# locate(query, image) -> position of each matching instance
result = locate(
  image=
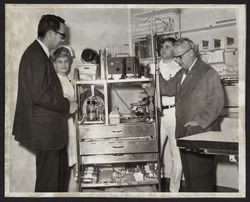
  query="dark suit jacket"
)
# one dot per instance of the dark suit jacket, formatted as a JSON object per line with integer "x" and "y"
{"x": 39, "y": 121}
{"x": 199, "y": 98}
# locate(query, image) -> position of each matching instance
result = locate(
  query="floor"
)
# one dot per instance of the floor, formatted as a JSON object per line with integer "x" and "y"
{"x": 165, "y": 187}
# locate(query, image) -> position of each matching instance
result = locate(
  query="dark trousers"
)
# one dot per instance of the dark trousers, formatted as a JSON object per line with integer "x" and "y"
{"x": 52, "y": 171}
{"x": 198, "y": 171}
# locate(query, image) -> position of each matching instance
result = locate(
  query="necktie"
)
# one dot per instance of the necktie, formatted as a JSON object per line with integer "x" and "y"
{"x": 185, "y": 71}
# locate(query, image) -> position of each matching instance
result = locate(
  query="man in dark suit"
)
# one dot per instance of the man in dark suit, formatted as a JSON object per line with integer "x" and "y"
{"x": 39, "y": 122}
{"x": 199, "y": 100}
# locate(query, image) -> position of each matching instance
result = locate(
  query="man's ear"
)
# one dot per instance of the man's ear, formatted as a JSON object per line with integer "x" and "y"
{"x": 49, "y": 34}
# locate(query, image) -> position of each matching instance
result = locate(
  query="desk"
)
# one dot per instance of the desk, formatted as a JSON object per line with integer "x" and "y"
{"x": 216, "y": 143}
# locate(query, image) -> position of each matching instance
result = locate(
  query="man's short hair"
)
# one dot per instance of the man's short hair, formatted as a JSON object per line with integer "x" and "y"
{"x": 169, "y": 39}
{"x": 49, "y": 22}
{"x": 186, "y": 42}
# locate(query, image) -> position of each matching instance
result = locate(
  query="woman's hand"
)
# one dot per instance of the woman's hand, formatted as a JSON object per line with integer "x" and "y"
{"x": 71, "y": 99}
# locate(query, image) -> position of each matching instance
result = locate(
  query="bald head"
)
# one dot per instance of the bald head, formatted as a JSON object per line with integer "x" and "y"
{"x": 185, "y": 43}
{"x": 184, "y": 52}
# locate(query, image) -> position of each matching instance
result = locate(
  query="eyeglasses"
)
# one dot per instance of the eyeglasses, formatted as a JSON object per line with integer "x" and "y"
{"x": 62, "y": 34}
{"x": 180, "y": 56}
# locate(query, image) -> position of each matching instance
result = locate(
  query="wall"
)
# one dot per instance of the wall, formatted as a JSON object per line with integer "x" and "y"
{"x": 197, "y": 18}
{"x": 95, "y": 28}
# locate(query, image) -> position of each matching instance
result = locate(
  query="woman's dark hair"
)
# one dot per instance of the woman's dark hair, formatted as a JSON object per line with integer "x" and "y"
{"x": 169, "y": 39}
{"x": 49, "y": 22}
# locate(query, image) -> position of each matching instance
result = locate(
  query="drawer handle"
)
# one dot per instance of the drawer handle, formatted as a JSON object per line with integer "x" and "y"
{"x": 116, "y": 131}
{"x": 118, "y": 147}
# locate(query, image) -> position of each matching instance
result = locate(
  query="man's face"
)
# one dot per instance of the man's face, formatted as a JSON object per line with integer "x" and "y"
{"x": 58, "y": 36}
{"x": 183, "y": 56}
{"x": 167, "y": 50}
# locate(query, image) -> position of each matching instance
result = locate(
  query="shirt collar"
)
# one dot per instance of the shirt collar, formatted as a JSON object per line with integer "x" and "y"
{"x": 192, "y": 64}
{"x": 59, "y": 75}
{"x": 45, "y": 48}
{"x": 168, "y": 61}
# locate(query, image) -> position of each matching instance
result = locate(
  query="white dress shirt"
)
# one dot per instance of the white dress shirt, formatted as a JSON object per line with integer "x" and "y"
{"x": 184, "y": 75}
{"x": 45, "y": 48}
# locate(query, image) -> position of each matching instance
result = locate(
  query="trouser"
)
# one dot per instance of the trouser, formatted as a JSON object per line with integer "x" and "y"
{"x": 198, "y": 170}
{"x": 168, "y": 131}
{"x": 52, "y": 171}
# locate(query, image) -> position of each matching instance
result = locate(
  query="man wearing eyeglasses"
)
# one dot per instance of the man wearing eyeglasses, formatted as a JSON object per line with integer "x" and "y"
{"x": 199, "y": 100}
{"x": 39, "y": 122}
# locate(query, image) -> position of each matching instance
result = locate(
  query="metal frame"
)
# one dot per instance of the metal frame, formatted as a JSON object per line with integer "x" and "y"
{"x": 105, "y": 83}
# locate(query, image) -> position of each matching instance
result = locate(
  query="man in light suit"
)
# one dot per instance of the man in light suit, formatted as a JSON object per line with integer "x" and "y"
{"x": 199, "y": 100}
{"x": 39, "y": 122}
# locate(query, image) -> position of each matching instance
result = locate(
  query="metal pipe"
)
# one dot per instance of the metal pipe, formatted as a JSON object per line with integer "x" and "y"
{"x": 179, "y": 16}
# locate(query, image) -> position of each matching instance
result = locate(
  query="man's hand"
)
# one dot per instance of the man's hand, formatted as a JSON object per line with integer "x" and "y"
{"x": 73, "y": 107}
{"x": 146, "y": 85}
{"x": 149, "y": 89}
{"x": 191, "y": 123}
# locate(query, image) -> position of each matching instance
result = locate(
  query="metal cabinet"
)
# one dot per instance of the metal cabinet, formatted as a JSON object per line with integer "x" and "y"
{"x": 114, "y": 154}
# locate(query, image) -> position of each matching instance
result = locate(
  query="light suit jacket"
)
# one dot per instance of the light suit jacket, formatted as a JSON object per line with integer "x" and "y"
{"x": 199, "y": 98}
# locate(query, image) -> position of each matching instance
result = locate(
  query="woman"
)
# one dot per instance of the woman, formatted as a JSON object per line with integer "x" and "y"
{"x": 62, "y": 61}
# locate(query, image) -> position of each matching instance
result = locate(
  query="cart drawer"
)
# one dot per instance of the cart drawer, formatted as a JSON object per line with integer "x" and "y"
{"x": 118, "y": 146}
{"x": 120, "y": 130}
{"x": 119, "y": 158}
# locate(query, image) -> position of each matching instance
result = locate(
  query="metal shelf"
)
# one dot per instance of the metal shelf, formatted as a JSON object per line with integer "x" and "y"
{"x": 198, "y": 29}
{"x": 113, "y": 144}
{"x": 91, "y": 82}
{"x": 117, "y": 159}
{"x": 127, "y": 80}
{"x": 157, "y": 12}
{"x": 208, "y": 28}
{"x": 115, "y": 184}
{"x": 141, "y": 36}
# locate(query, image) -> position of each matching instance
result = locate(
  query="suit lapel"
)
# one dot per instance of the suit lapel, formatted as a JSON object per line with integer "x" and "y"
{"x": 187, "y": 80}
{"x": 179, "y": 85}
{"x": 190, "y": 81}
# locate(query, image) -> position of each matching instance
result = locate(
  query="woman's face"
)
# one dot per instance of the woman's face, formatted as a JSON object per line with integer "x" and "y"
{"x": 62, "y": 65}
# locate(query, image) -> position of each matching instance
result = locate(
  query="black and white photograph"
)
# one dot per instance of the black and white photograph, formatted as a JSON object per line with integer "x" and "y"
{"x": 125, "y": 100}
